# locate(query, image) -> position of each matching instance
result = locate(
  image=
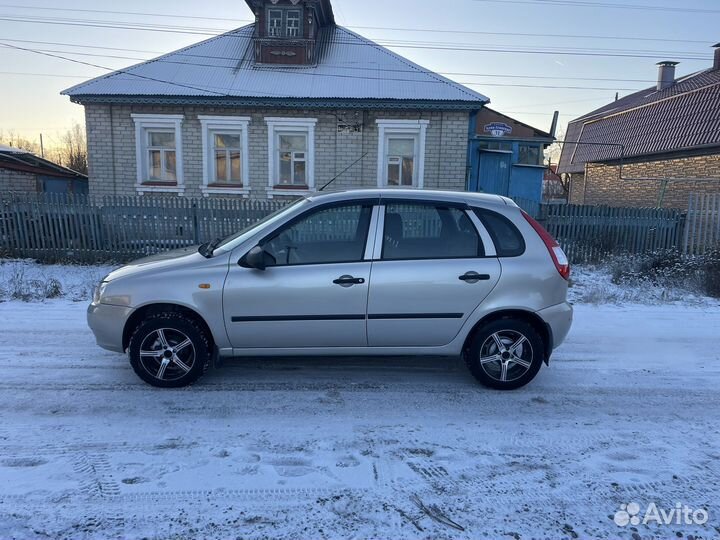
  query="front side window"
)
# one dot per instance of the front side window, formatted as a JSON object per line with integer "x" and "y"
{"x": 292, "y": 159}
{"x": 429, "y": 231}
{"x": 162, "y": 161}
{"x": 326, "y": 236}
{"x": 529, "y": 154}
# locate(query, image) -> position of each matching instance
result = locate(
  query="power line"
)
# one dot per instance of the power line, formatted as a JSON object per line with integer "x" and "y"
{"x": 106, "y": 68}
{"x": 383, "y": 28}
{"x": 588, "y": 4}
{"x": 591, "y": 52}
{"x": 342, "y": 66}
{"x": 338, "y": 75}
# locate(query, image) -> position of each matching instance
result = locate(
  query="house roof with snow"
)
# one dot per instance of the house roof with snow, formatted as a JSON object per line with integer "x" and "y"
{"x": 683, "y": 117}
{"x": 350, "y": 71}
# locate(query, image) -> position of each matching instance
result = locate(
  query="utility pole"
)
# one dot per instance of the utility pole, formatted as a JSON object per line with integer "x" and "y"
{"x": 42, "y": 147}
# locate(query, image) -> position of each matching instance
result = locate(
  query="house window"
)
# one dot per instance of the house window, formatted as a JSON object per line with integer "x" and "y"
{"x": 401, "y": 152}
{"x": 162, "y": 157}
{"x": 293, "y": 23}
{"x": 292, "y": 159}
{"x": 291, "y": 154}
{"x": 529, "y": 154}
{"x": 225, "y": 154}
{"x": 284, "y": 23}
{"x": 275, "y": 22}
{"x": 158, "y": 140}
{"x": 496, "y": 145}
{"x": 401, "y": 161}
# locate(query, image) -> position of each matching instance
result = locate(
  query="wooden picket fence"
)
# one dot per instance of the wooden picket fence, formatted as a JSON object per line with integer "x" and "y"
{"x": 702, "y": 231}
{"x": 85, "y": 229}
{"x": 592, "y": 233}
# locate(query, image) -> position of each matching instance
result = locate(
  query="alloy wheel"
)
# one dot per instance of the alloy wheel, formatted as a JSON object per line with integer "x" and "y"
{"x": 167, "y": 354}
{"x": 506, "y": 355}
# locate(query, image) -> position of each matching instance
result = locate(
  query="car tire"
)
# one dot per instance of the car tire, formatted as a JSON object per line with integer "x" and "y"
{"x": 169, "y": 350}
{"x": 505, "y": 354}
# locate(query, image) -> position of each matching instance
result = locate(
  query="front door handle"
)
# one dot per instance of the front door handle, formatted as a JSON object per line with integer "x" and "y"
{"x": 348, "y": 281}
{"x": 474, "y": 277}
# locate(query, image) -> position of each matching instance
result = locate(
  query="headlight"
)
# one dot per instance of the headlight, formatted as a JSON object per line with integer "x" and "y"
{"x": 98, "y": 292}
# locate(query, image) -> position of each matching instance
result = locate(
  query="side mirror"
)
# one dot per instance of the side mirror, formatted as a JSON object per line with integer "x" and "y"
{"x": 257, "y": 258}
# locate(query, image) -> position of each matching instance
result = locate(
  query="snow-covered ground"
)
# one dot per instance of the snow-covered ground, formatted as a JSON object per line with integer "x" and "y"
{"x": 358, "y": 448}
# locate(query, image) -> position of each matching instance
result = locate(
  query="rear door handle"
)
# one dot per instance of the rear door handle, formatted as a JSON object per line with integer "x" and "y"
{"x": 348, "y": 281}
{"x": 474, "y": 277}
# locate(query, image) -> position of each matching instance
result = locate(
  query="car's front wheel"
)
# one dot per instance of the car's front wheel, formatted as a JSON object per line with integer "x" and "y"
{"x": 169, "y": 350}
{"x": 505, "y": 354}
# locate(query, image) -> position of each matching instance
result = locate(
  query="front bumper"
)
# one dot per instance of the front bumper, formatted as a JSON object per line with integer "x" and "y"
{"x": 107, "y": 323}
{"x": 559, "y": 318}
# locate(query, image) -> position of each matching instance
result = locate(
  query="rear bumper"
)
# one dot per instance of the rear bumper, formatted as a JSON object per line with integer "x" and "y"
{"x": 559, "y": 318}
{"x": 107, "y": 323}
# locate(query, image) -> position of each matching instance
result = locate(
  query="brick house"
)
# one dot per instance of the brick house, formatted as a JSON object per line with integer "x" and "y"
{"x": 24, "y": 172}
{"x": 276, "y": 108}
{"x": 651, "y": 148}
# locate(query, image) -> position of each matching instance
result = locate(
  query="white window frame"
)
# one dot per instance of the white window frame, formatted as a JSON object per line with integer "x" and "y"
{"x": 233, "y": 125}
{"x": 276, "y": 126}
{"x": 280, "y": 29}
{"x": 299, "y": 26}
{"x": 388, "y": 129}
{"x": 145, "y": 123}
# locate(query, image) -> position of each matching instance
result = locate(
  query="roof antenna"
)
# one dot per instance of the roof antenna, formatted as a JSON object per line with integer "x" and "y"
{"x": 346, "y": 169}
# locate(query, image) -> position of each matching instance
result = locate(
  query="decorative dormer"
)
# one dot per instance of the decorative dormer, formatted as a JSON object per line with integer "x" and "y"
{"x": 286, "y": 31}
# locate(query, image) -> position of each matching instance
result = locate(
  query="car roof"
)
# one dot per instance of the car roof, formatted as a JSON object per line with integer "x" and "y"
{"x": 416, "y": 194}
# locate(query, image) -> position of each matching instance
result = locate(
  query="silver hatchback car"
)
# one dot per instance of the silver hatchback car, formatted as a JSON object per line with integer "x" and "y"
{"x": 377, "y": 272}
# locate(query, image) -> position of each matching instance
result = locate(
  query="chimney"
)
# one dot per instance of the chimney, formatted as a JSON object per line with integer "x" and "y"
{"x": 716, "y": 63}
{"x": 666, "y": 74}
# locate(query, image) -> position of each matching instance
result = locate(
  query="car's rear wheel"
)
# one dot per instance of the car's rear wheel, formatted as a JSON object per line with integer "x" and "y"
{"x": 505, "y": 354}
{"x": 169, "y": 350}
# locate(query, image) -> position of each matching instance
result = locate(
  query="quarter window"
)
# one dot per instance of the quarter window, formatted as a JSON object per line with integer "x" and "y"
{"x": 508, "y": 240}
{"x": 426, "y": 231}
{"x": 326, "y": 236}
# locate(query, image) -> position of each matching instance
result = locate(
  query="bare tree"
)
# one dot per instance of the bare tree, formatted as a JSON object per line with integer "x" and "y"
{"x": 552, "y": 154}
{"x": 16, "y": 141}
{"x": 71, "y": 149}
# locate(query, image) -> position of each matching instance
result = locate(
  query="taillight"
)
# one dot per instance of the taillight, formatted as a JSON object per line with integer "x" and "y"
{"x": 556, "y": 253}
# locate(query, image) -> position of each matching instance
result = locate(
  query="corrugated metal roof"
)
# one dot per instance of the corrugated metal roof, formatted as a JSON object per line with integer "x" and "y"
{"x": 682, "y": 117}
{"x": 349, "y": 67}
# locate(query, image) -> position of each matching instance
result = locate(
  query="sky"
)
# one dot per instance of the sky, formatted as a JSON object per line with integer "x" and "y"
{"x": 526, "y": 53}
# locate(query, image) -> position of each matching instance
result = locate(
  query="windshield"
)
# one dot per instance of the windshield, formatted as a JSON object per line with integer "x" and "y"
{"x": 238, "y": 238}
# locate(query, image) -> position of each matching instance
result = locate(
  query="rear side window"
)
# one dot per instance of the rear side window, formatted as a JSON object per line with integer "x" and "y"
{"x": 508, "y": 240}
{"x": 429, "y": 231}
